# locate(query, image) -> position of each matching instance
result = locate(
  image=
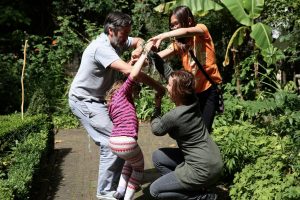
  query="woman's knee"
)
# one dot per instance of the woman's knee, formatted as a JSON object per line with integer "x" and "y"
{"x": 156, "y": 157}
{"x": 154, "y": 191}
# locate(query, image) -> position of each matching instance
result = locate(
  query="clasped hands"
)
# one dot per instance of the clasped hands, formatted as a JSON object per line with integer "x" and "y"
{"x": 151, "y": 44}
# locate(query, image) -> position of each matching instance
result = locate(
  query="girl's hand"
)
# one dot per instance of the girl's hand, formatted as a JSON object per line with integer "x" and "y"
{"x": 148, "y": 46}
{"x": 156, "y": 40}
{"x": 135, "y": 55}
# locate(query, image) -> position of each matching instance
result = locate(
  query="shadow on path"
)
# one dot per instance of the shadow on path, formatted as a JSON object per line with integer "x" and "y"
{"x": 57, "y": 173}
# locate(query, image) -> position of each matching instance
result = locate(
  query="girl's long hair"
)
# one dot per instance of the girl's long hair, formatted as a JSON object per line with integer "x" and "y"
{"x": 186, "y": 19}
{"x": 111, "y": 91}
{"x": 109, "y": 94}
{"x": 184, "y": 15}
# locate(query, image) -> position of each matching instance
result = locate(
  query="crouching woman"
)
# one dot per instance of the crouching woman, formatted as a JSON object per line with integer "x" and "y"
{"x": 186, "y": 171}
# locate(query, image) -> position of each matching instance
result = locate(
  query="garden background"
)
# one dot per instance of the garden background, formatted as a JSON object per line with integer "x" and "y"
{"x": 257, "y": 48}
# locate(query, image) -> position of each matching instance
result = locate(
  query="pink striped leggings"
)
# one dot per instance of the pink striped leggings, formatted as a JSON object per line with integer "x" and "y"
{"x": 128, "y": 149}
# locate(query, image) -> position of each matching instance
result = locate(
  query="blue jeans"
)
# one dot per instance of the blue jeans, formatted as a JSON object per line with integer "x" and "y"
{"x": 96, "y": 121}
{"x": 167, "y": 186}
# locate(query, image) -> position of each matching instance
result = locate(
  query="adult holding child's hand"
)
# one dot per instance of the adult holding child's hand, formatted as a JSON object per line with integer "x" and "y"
{"x": 186, "y": 35}
{"x": 100, "y": 66}
{"x": 187, "y": 171}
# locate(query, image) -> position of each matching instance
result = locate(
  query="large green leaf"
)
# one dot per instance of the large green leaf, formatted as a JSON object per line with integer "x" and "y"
{"x": 254, "y": 7}
{"x": 236, "y": 39}
{"x": 198, "y": 7}
{"x": 236, "y": 8}
{"x": 272, "y": 55}
{"x": 165, "y": 7}
{"x": 261, "y": 33}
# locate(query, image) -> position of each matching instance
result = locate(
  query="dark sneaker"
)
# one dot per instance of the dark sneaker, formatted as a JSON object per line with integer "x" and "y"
{"x": 108, "y": 196}
{"x": 117, "y": 195}
{"x": 209, "y": 196}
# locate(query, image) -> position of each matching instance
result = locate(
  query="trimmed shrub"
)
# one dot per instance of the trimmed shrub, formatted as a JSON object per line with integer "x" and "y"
{"x": 21, "y": 157}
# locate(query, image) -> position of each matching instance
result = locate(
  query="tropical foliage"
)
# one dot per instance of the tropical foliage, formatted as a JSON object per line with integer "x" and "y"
{"x": 257, "y": 41}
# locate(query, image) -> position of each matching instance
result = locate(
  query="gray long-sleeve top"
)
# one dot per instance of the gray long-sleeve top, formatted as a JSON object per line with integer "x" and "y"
{"x": 203, "y": 162}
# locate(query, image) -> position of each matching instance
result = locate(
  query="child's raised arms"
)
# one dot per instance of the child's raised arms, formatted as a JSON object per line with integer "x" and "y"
{"x": 139, "y": 63}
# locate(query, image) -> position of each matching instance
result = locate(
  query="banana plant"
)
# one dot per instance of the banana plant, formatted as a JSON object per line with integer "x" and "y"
{"x": 198, "y": 7}
{"x": 245, "y": 12}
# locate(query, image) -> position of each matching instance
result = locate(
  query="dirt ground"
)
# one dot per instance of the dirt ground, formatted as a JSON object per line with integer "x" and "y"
{"x": 74, "y": 166}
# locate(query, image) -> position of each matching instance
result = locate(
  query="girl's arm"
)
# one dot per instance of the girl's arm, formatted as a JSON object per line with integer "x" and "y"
{"x": 135, "y": 71}
{"x": 137, "y": 75}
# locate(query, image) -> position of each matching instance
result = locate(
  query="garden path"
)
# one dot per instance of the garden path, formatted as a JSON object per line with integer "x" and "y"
{"x": 75, "y": 165}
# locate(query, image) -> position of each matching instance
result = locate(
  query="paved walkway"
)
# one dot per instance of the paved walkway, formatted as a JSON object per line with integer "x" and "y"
{"x": 75, "y": 170}
{"x": 76, "y": 164}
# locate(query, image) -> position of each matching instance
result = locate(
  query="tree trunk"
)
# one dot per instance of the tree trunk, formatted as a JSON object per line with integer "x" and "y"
{"x": 257, "y": 83}
{"x": 237, "y": 73}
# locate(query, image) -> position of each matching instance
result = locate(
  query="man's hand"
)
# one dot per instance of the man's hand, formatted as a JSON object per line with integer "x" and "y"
{"x": 135, "y": 54}
{"x": 132, "y": 61}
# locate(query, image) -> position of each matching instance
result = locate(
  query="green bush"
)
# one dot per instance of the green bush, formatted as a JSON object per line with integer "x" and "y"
{"x": 259, "y": 112}
{"x": 21, "y": 159}
{"x": 260, "y": 145}
{"x": 145, "y": 104}
{"x": 38, "y": 103}
{"x": 239, "y": 145}
{"x": 65, "y": 121}
{"x": 271, "y": 176}
{"x": 13, "y": 129}
{"x": 10, "y": 87}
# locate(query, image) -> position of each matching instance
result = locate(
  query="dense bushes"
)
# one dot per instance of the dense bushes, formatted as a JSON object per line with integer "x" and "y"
{"x": 24, "y": 144}
{"x": 254, "y": 136}
{"x": 260, "y": 145}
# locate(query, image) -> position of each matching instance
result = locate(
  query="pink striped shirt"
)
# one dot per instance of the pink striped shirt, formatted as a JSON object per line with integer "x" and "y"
{"x": 122, "y": 111}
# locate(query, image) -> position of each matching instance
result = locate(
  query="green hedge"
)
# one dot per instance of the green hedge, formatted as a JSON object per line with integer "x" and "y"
{"x": 260, "y": 145}
{"x": 30, "y": 141}
{"x": 13, "y": 129}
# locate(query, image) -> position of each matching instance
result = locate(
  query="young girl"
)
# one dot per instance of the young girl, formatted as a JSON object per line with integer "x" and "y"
{"x": 196, "y": 37}
{"x": 123, "y": 140}
{"x": 186, "y": 171}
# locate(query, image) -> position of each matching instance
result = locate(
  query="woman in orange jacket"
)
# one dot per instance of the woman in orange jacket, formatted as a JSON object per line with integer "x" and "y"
{"x": 188, "y": 35}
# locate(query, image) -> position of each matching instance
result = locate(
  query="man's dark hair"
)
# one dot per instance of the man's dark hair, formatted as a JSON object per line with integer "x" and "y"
{"x": 116, "y": 20}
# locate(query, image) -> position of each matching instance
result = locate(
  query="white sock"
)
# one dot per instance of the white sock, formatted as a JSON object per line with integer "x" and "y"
{"x": 121, "y": 190}
{"x": 129, "y": 194}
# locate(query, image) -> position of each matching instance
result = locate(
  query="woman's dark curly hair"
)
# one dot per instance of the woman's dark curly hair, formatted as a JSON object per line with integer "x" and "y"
{"x": 183, "y": 87}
